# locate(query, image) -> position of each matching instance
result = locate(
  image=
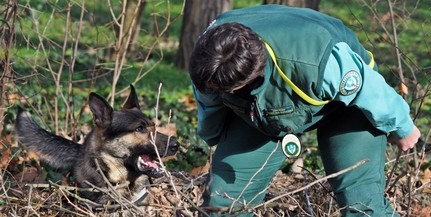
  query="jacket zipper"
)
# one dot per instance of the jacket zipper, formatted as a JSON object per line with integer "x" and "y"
{"x": 252, "y": 105}
{"x": 255, "y": 115}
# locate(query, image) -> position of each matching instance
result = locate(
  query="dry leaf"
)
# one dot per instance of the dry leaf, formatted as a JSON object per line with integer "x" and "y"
{"x": 403, "y": 89}
{"x": 189, "y": 102}
{"x": 5, "y": 158}
{"x": 168, "y": 129}
{"x": 30, "y": 175}
{"x": 426, "y": 178}
{"x": 422, "y": 211}
{"x": 298, "y": 165}
{"x": 200, "y": 170}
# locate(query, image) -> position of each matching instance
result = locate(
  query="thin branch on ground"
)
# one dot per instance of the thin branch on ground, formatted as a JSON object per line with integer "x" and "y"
{"x": 313, "y": 183}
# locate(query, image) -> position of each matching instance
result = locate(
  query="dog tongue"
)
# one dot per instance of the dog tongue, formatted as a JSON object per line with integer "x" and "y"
{"x": 149, "y": 161}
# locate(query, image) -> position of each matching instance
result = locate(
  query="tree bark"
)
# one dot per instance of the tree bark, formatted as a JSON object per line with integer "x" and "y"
{"x": 197, "y": 15}
{"x": 130, "y": 26}
{"x": 7, "y": 38}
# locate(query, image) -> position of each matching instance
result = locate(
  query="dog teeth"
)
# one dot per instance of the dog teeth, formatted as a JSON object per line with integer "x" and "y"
{"x": 141, "y": 161}
{"x": 144, "y": 165}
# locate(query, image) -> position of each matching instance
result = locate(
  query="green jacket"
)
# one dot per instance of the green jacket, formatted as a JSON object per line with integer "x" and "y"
{"x": 303, "y": 41}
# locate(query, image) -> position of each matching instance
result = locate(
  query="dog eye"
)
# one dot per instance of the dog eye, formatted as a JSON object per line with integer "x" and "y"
{"x": 140, "y": 129}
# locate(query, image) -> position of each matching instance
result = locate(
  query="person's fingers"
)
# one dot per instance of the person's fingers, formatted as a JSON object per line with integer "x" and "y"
{"x": 408, "y": 142}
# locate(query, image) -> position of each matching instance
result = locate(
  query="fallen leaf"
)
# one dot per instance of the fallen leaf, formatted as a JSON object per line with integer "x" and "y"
{"x": 6, "y": 154}
{"x": 426, "y": 178}
{"x": 189, "y": 102}
{"x": 30, "y": 175}
{"x": 168, "y": 129}
{"x": 200, "y": 170}
{"x": 5, "y": 158}
{"x": 298, "y": 165}
{"x": 422, "y": 211}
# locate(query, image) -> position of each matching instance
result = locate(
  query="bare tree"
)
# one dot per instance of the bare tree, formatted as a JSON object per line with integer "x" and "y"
{"x": 7, "y": 35}
{"x": 127, "y": 31}
{"x": 197, "y": 15}
{"x": 130, "y": 25}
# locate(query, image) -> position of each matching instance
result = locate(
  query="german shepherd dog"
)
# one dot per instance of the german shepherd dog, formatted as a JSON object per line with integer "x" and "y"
{"x": 123, "y": 148}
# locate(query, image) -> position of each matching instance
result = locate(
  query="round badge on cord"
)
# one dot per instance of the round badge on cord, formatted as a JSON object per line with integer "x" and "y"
{"x": 291, "y": 146}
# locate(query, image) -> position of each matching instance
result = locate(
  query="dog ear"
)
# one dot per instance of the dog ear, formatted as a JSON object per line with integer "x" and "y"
{"x": 132, "y": 101}
{"x": 101, "y": 109}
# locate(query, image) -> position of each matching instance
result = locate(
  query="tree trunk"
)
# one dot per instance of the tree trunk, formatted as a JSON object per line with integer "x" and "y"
{"x": 197, "y": 15}
{"x": 126, "y": 36}
{"x": 130, "y": 25}
{"x": 313, "y": 4}
{"x": 7, "y": 38}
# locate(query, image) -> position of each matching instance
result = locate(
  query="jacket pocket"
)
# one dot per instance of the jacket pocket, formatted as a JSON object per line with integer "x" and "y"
{"x": 286, "y": 119}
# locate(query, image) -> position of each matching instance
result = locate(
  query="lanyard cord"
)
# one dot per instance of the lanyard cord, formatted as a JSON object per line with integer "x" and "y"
{"x": 372, "y": 63}
{"x": 296, "y": 89}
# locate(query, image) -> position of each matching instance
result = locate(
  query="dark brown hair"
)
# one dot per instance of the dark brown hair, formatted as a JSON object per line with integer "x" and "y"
{"x": 226, "y": 57}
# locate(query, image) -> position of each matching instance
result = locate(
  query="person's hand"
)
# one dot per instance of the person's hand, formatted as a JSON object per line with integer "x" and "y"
{"x": 408, "y": 142}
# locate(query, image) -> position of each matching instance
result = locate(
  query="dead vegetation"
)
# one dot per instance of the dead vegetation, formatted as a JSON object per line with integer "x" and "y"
{"x": 299, "y": 193}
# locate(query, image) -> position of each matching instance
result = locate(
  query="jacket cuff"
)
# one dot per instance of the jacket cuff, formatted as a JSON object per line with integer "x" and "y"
{"x": 404, "y": 130}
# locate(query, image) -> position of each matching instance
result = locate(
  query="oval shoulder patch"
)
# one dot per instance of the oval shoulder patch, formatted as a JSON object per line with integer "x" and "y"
{"x": 350, "y": 83}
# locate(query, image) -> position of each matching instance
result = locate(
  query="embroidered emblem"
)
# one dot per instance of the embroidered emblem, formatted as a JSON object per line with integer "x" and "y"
{"x": 350, "y": 83}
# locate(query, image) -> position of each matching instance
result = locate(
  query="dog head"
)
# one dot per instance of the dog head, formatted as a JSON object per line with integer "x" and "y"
{"x": 128, "y": 138}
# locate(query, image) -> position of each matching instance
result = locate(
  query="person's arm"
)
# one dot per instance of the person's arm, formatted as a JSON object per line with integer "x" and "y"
{"x": 380, "y": 103}
{"x": 211, "y": 116}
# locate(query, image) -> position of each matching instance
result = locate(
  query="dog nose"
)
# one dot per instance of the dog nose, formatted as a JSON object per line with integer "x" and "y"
{"x": 173, "y": 145}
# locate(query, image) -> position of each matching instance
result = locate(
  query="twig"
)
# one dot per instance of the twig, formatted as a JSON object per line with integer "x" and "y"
{"x": 324, "y": 187}
{"x": 409, "y": 195}
{"x": 388, "y": 179}
{"x": 106, "y": 180}
{"x": 7, "y": 40}
{"x": 403, "y": 173}
{"x": 117, "y": 197}
{"x": 155, "y": 146}
{"x": 29, "y": 201}
{"x": 76, "y": 207}
{"x": 307, "y": 200}
{"x": 156, "y": 42}
{"x": 419, "y": 188}
{"x": 67, "y": 190}
{"x": 397, "y": 51}
{"x": 330, "y": 206}
{"x": 254, "y": 175}
{"x": 268, "y": 202}
{"x": 196, "y": 207}
{"x": 313, "y": 183}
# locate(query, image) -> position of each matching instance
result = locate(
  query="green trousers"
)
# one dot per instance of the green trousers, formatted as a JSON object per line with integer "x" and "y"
{"x": 245, "y": 161}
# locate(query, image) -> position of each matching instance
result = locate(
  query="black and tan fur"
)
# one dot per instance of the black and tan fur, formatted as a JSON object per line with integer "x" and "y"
{"x": 122, "y": 144}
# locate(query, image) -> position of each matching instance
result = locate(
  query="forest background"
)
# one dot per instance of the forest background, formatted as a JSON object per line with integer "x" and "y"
{"x": 54, "y": 53}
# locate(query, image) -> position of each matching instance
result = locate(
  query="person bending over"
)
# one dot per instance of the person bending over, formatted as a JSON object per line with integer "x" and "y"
{"x": 268, "y": 72}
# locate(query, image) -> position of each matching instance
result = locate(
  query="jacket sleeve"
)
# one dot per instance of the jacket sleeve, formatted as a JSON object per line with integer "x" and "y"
{"x": 211, "y": 116}
{"x": 380, "y": 103}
